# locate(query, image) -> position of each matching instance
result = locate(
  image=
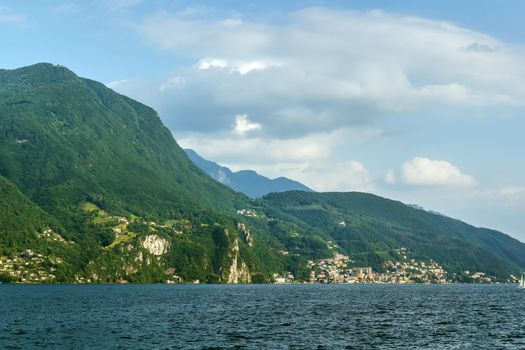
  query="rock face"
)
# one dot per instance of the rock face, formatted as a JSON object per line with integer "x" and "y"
{"x": 156, "y": 245}
{"x": 246, "y": 234}
{"x": 244, "y": 274}
{"x": 238, "y": 271}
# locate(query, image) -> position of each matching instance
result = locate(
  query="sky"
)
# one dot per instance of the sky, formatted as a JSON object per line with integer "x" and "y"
{"x": 418, "y": 101}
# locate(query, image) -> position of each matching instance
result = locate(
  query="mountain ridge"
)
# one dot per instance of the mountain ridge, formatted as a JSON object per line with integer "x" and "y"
{"x": 397, "y": 219}
{"x": 248, "y": 182}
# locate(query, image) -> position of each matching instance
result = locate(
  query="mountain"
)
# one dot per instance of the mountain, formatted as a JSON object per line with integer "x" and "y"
{"x": 66, "y": 139}
{"x": 93, "y": 188}
{"x": 245, "y": 181}
{"x": 362, "y": 222}
{"x": 106, "y": 168}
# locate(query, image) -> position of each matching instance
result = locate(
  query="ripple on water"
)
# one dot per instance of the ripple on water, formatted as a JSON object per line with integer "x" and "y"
{"x": 254, "y": 317}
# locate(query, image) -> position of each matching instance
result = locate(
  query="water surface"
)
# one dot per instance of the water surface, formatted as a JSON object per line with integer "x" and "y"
{"x": 261, "y": 316}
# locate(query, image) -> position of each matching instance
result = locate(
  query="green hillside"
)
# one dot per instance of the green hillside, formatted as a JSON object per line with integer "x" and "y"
{"x": 371, "y": 228}
{"x": 20, "y": 219}
{"x": 64, "y": 139}
{"x": 30, "y": 240}
{"x": 93, "y": 188}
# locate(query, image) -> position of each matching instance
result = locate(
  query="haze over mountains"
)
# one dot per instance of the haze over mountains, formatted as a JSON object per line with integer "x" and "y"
{"x": 93, "y": 188}
{"x": 245, "y": 181}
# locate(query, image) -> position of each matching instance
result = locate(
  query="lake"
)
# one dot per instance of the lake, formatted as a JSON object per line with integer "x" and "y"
{"x": 262, "y": 316}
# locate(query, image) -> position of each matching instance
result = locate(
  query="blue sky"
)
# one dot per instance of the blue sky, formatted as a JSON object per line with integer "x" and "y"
{"x": 414, "y": 100}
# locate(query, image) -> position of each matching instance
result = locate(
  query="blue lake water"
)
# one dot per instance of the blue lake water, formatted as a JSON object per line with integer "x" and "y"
{"x": 261, "y": 316}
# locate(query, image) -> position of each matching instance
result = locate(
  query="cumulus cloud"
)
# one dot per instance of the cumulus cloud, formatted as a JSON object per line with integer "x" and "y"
{"x": 244, "y": 125}
{"x": 321, "y": 69}
{"x": 342, "y": 176}
{"x": 422, "y": 171}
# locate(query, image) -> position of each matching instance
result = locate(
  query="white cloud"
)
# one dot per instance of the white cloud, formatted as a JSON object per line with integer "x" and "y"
{"x": 320, "y": 69}
{"x": 343, "y": 176}
{"x": 247, "y": 67}
{"x": 209, "y": 63}
{"x": 295, "y": 152}
{"x": 234, "y": 150}
{"x": 244, "y": 125}
{"x": 235, "y": 67}
{"x": 422, "y": 171}
{"x": 390, "y": 177}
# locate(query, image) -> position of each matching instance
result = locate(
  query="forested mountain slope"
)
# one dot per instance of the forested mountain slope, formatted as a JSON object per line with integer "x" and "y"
{"x": 361, "y": 222}
{"x": 94, "y": 188}
{"x": 64, "y": 139}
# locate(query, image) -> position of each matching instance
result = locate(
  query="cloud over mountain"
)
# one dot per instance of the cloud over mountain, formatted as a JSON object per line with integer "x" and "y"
{"x": 321, "y": 69}
{"x": 335, "y": 98}
{"x": 422, "y": 171}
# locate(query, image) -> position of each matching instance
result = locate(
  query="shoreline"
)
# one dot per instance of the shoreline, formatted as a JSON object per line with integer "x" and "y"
{"x": 261, "y": 284}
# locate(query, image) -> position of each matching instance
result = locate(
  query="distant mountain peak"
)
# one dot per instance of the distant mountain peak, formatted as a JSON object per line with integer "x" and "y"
{"x": 46, "y": 67}
{"x": 39, "y": 74}
{"x": 248, "y": 182}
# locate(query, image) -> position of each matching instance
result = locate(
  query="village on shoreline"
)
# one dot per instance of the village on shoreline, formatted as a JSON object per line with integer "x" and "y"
{"x": 336, "y": 270}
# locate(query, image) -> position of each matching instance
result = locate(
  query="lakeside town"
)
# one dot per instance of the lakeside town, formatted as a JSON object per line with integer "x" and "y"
{"x": 339, "y": 270}
{"x": 29, "y": 267}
